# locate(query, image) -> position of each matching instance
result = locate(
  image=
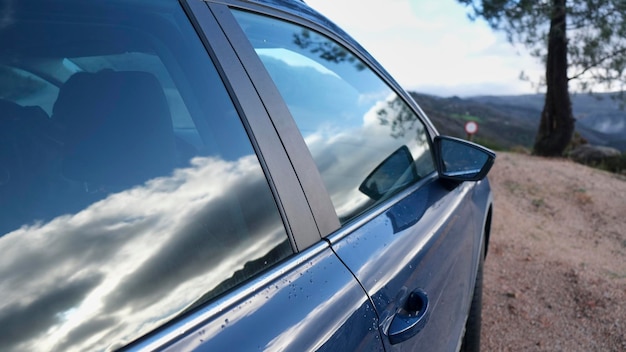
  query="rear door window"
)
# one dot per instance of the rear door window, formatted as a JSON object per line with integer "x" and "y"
{"x": 366, "y": 141}
{"x": 130, "y": 190}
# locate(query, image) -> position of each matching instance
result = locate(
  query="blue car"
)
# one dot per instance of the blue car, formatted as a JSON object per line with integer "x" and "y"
{"x": 225, "y": 175}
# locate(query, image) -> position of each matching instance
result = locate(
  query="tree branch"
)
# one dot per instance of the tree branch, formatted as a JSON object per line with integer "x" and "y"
{"x": 622, "y": 51}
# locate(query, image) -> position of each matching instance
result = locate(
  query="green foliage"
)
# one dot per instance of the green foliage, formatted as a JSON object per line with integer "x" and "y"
{"x": 326, "y": 49}
{"x": 538, "y": 202}
{"x": 596, "y": 34}
{"x": 615, "y": 164}
{"x": 493, "y": 145}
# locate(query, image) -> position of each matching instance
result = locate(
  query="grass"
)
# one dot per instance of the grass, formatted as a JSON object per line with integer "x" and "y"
{"x": 466, "y": 117}
{"x": 615, "y": 164}
{"x": 614, "y": 275}
{"x": 582, "y": 197}
{"x": 512, "y": 186}
{"x": 487, "y": 143}
{"x": 538, "y": 203}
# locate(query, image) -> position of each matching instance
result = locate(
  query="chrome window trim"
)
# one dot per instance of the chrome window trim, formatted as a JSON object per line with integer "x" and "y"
{"x": 375, "y": 211}
{"x": 169, "y": 334}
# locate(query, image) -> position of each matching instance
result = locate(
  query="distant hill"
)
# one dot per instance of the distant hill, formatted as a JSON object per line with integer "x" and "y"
{"x": 498, "y": 128}
{"x": 508, "y": 121}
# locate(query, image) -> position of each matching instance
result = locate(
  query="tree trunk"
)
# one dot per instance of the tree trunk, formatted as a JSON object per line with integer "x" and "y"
{"x": 557, "y": 122}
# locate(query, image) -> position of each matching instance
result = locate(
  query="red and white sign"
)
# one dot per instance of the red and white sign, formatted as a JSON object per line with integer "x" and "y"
{"x": 471, "y": 127}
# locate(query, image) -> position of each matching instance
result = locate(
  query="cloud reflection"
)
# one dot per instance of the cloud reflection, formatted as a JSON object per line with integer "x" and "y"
{"x": 346, "y": 156}
{"x": 350, "y": 119}
{"x": 127, "y": 263}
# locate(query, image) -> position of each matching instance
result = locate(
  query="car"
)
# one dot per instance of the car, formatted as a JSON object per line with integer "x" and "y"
{"x": 225, "y": 175}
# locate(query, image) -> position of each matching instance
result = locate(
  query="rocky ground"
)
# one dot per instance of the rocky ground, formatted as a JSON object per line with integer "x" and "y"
{"x": 555, "y": 275}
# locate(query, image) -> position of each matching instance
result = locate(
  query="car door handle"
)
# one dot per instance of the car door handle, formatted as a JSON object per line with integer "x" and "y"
{"x": 410, "y": 319}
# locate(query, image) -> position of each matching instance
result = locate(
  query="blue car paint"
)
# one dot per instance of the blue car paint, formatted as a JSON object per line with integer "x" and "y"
{"x": 314, "y": 303}
{"x": 423, "y": 242}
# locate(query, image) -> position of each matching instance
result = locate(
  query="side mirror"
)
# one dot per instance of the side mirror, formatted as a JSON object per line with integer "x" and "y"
{"x": 395, "y": 172}
{"x": 461, "y": 160}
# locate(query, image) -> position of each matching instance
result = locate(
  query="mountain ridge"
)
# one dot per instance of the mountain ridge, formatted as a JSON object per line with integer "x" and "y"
{"x": 512, "y": 120}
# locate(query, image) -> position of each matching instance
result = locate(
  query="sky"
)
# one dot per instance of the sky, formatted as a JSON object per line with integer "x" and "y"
{"x": 430, "y": 46}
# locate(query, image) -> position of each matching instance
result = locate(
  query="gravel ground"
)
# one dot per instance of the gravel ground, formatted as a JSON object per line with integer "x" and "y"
{"x": 555, "y": 275}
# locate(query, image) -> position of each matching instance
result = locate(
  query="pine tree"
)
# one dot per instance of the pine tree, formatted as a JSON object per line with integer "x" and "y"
{"x": 583, "y": 41}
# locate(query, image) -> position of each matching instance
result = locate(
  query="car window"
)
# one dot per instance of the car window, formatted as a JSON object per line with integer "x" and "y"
{"x": 131, "y": 196}
{"x": 365, "y": 140}
{"x": 147, "y": 62}
{"x": 26, "y": 88}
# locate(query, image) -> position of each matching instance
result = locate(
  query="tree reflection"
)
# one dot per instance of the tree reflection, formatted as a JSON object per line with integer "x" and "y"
{"x": 396, "y": 114}
{"x": 326, "y": 49}
{"x": 401, "y": 120}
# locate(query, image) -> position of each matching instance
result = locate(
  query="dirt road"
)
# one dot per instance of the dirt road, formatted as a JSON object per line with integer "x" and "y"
{"x": 555, "y": 275}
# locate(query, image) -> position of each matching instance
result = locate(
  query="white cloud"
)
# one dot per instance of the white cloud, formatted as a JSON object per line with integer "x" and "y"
{"x": 431, "y": 46}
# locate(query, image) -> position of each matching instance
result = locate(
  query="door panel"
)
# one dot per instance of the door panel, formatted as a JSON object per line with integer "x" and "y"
{"x": 371, "y": 149}
{"x": 310, "y": 303}
{"x": 422, "y": 244}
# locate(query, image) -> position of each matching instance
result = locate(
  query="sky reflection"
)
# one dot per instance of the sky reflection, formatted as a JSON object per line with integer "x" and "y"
{"x": 129, "y": 262}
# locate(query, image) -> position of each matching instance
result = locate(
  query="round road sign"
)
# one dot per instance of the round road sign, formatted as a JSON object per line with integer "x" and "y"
{"x": 471, "y": 127}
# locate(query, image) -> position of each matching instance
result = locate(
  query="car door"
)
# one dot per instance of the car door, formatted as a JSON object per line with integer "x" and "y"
{"x": 407, "y": 236}
{"x": 308, "y": 301}
{"x": 152, "y": 205}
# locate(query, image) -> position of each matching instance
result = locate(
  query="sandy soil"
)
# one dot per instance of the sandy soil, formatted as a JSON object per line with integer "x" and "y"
{"x": 555, "y": 275}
